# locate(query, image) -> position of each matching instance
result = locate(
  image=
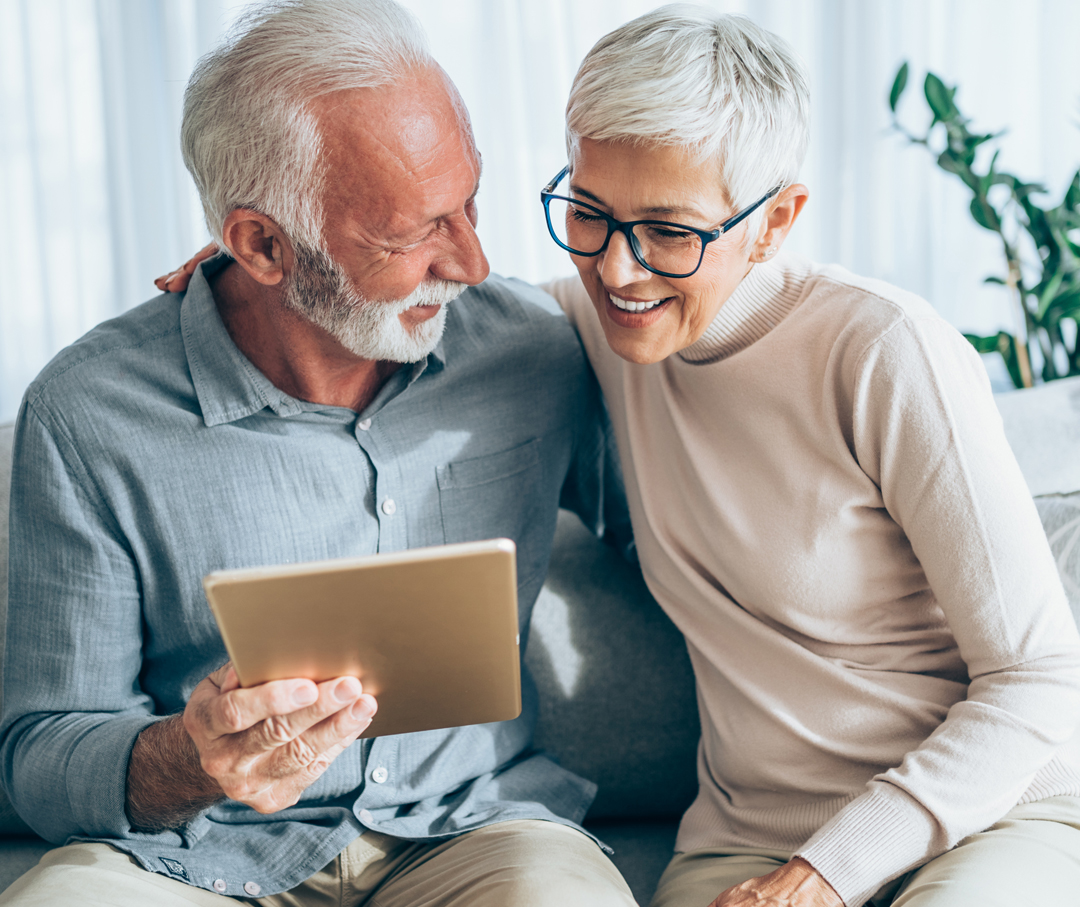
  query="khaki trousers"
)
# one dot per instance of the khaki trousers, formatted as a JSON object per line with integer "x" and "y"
{"x": 510, "y": 864}
{"x": 1031, "y": 857}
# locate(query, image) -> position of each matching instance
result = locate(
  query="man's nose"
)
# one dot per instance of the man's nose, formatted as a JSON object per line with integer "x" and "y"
{"x": 617, "y": 265}
{"x": 464, "y": 261}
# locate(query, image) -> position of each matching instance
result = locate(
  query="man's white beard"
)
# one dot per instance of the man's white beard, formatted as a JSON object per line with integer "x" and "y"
{"x": 319, "y": 290}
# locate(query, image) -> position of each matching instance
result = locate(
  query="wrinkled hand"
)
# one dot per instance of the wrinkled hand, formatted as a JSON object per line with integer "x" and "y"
{"x": 795, "y": 884}
{"x": 265, "y": 745}
{"x": 177, "y": 281}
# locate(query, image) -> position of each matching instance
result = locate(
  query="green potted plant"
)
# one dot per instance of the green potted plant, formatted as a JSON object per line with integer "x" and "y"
{"x": 1041, "y": 246}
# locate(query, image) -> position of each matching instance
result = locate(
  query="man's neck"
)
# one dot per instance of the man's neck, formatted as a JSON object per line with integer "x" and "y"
{"x": 297, "y": 357}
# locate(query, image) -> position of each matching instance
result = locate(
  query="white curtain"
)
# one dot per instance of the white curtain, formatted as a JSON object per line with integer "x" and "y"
{"x": 94, "y": 201}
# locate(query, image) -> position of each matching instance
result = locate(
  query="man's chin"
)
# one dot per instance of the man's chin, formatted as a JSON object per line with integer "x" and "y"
{"x": 393, "y": 341}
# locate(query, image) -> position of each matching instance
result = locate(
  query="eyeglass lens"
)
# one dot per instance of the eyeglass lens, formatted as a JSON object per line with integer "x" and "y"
{"x": 661, "y": 246}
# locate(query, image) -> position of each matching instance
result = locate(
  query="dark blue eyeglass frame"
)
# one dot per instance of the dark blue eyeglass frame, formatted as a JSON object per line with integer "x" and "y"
{"x": 626, "y": 227}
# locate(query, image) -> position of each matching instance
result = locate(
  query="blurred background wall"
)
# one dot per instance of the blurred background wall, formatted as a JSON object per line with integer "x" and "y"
{"x": 94, "y": 201}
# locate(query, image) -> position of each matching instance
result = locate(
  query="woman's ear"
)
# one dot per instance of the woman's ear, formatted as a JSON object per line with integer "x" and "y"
{"x": 258, "y": 244}
{"x": 778, "y": 220}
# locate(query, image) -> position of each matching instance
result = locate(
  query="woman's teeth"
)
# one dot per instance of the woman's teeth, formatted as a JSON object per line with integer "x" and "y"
{"x": 628, "y": 306}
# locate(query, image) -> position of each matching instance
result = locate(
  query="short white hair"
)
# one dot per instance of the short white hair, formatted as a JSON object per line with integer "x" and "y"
{"x": 719, "y": 85}
{"x": 249, "y": 138}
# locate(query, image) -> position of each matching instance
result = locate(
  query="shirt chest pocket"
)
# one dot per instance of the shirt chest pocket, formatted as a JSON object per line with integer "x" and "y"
{"x": 500, "y": 495}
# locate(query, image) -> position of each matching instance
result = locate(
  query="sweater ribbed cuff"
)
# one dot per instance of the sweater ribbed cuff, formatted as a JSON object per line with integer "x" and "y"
{"x": 875, "y": 838}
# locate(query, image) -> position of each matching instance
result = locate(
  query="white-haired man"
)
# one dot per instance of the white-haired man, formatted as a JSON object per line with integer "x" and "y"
{"x": 309, "y": 397}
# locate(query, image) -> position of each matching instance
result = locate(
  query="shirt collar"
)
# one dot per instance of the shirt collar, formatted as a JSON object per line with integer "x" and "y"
{"x": 228, "y": 386}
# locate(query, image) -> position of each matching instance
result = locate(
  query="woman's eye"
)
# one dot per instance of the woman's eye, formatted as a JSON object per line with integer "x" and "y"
{"x": 662, "y": 233}
{"x": 584, "y": 216}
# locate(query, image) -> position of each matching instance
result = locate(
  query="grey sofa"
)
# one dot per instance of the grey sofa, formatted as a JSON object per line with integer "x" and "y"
{"x": 617, "y": 694}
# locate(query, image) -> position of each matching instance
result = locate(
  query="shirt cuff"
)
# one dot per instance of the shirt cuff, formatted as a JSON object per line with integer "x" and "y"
{"x": 875, "y": 838}
{"x": 97, "y": 776}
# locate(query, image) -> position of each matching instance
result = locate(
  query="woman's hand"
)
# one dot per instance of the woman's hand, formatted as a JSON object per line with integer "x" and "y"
{"x": 177, "y": 281}
{"x": 795, "y": 884}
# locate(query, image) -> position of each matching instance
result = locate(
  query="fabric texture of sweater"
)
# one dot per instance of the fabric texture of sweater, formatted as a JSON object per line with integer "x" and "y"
{"x": 824, "y": 502}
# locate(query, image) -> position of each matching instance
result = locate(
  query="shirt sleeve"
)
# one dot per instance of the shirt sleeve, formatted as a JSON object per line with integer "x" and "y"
{"x": 73, "y": 706}
{"x": 925, "y": 428}
{"x": 594, "y": 488}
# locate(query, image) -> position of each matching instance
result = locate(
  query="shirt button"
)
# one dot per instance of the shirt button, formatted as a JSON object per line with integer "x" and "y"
{"x": 364, "y": 424}
{"x": 389, "y": 507}
{"x": 380, "y": 775}
{"x": 219, "y": 885}
{"x": 252, "y": 888}
{"x": 366, "y": 817}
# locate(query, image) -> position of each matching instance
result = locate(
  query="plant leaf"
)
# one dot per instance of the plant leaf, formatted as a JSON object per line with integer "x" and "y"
{"x": 938, "y": 97}
{"x": 983, "y": 344}
{"x": 984, "y": 214}
{"x": 999, "y": 343}
{"x": 898, "y": 86}
{"x": 1072, "y": 196}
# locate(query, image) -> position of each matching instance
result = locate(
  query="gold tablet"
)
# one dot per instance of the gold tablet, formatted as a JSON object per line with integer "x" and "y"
{"x": 432, "y": 633}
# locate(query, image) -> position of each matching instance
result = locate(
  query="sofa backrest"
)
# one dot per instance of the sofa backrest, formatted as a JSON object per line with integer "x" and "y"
{"x": 617, "y": 701}
{"x": 6, "y": 432}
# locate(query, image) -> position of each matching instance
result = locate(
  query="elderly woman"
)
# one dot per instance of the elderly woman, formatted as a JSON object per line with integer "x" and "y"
{"x": 823, "y": 502}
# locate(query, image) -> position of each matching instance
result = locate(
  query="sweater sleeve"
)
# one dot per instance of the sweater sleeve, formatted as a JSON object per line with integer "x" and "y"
{"x": 72, "y": 701}
{"x": 926, "y": 430}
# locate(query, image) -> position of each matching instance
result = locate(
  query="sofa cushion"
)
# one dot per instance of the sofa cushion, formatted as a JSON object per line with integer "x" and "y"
{"x": 10, "y": 823}
{"x": 1060, "y": 516}
{"x": 1043, "y": 427}
{"x": 617, "y": 702}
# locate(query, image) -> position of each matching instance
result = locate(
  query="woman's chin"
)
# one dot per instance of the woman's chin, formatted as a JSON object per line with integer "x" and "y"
{"x": 641, "y": 346}
{"x": 643, "y": 336}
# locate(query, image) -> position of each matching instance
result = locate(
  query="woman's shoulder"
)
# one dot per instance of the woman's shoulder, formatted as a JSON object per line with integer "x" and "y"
{"x": 868, "y": 302}
{"x": 569, "y": 293}
{"x": 863, "y": 313}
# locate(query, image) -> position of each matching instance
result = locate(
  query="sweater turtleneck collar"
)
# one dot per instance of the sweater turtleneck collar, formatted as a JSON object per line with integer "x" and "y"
{"x": 760, "y": 302}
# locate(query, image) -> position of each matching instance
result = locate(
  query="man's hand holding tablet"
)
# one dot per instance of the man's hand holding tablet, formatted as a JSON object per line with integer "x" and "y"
{"x": 262, "y": 745}
{"x": 265, "y": 745}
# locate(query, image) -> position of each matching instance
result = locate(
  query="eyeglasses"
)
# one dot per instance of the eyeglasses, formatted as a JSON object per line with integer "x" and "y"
{"x": 665, "y": 248}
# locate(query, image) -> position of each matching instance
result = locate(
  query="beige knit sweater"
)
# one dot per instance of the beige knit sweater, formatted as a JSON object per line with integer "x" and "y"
{"x": 825, "y": 504}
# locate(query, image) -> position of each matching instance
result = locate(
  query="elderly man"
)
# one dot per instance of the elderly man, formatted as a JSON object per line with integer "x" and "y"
{"x": 314, "y": 395}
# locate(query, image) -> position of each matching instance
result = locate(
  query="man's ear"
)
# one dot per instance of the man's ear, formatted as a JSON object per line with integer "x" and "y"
{"x": 258, "y": 244}
{"x": 778, "y": 220}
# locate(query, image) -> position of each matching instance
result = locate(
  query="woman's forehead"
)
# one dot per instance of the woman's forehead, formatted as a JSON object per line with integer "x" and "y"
{"x": 665, "y": 181}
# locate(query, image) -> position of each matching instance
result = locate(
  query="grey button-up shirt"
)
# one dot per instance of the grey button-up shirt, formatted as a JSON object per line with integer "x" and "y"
{"x": 152, "y": 452}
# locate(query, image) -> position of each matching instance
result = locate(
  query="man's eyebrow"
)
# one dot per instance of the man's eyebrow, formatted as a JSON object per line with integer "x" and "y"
{"x": 669, "y": 210}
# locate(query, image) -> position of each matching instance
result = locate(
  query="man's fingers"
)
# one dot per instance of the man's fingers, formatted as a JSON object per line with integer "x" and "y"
{"x": 285, "y": 725}
{"x": 177, "y": 281}
{"x": 320, "y": 744}
{"x": 239, "y": 710}
{"x": 208, "y": 251}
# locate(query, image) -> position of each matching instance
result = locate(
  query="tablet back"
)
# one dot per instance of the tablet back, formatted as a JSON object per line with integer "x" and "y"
{"x": 432, "y": 633}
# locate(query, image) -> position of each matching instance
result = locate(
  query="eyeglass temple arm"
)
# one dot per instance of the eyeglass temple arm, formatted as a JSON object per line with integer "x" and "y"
{"x": 742, "y": 215}
{"x": 550, "y": 187}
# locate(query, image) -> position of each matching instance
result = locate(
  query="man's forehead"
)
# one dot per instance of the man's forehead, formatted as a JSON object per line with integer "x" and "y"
{"x": 404, "y": 151}
{"x": 409, "y": 110}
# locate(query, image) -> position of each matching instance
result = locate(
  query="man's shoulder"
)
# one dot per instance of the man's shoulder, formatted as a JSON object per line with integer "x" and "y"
{"x": 137, "y": 344}
{"x": 505, "y": 320}
{"x": 507, "y": 305}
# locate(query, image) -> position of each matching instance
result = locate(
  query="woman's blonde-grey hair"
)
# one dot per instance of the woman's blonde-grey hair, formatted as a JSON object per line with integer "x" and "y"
{"x": 717, "y": 84}
{"x": 248, "y": 136}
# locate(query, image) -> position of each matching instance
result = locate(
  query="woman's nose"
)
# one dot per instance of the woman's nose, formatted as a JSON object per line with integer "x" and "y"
{"x": 617, "y": 265}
